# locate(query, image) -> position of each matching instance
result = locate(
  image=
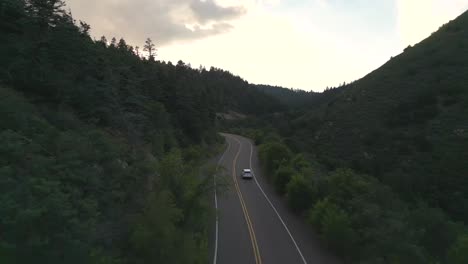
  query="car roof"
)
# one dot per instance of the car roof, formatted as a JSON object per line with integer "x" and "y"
{"x": 246, "y": 170}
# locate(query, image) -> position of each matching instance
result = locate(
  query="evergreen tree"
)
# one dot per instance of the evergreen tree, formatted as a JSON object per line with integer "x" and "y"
{"x": 150, "y": 48}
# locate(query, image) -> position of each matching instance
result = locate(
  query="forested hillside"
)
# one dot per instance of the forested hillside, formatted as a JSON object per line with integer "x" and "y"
{"x": 44, "y": 54}
{"x": 102, "y": 148}
{"x": 405, "y": 123}
{"x": 384, "y": 170}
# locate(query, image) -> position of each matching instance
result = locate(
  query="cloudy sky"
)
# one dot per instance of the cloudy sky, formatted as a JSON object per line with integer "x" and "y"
{"x": 305, "y": 44}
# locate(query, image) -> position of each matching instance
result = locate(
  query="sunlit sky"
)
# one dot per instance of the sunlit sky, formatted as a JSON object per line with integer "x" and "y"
{"x": 302, "y": 44}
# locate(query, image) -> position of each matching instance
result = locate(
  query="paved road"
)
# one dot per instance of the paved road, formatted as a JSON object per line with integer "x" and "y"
{"x": 254, "y": 224}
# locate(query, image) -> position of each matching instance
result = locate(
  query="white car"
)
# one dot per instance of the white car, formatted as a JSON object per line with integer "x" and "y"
{"x": 247, "y": 174}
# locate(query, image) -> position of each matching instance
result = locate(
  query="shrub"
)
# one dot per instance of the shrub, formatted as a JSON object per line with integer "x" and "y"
{"x": 257, "y": 136}
{"x": 273, "y": 154}
{"x": 334, "y": 225}
{"x": 298, "y": 162}
{"x": 344, "y": 184}
{"x": 282, "y": 177}
{"x": 299, "y": 193}
{"x": 436, "y": 231}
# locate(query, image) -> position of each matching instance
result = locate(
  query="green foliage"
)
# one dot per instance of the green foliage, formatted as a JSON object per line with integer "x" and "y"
{"x": 282, "y": 177}
{"x": 299, "y": 162}
{"x": 300, "y": 194}
{"x": 81, "y": 189}
{"x": 335, "y": 226}
{"x": 272, "y": 137}
{"x": 344, "y": 184}
{"x": 155, "y": 236}
{"x": 273, "y": 154}
{"x": 258, "y": 136}
{"x": 434, "y": 230}
{"x": 363, "y": 219}
{"x": 458, "y": 253}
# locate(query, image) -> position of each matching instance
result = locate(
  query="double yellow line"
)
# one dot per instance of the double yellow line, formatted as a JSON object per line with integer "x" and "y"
{"x": 253, "y": 239}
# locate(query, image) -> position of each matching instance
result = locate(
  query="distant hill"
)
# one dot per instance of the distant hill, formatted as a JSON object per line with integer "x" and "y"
{"x": 289, "y": 97}
{"x": 405, "y": 123}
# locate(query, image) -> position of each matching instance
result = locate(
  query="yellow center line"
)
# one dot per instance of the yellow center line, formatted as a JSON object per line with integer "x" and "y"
{"x": 253, "y": 238}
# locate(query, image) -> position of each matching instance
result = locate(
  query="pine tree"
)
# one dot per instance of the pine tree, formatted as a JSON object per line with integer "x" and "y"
{"x": 84, "y": 28}
{"x": 113, "y": 42}
{"x": 137, "y": 51}
{"x": 103, "y": 41}
{"x": 122, "y": 45}
{"x": 150, "y": 48}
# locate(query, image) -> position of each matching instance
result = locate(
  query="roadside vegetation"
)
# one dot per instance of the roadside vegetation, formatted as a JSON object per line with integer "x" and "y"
{"x": 359, "y": 217}
{"x": 75, "y": 193}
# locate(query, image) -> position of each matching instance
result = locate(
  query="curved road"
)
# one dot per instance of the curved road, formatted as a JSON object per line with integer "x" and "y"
{"x": 253, "y": 223}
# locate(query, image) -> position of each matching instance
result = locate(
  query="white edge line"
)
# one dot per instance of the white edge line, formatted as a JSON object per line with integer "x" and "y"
{"x": 274, "y": 208}
{"x": 215, "y": 256}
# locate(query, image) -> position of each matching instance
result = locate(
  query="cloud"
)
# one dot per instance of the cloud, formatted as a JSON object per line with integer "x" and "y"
{"x": 165, "y": 21}
{"x": 210, "y": 11}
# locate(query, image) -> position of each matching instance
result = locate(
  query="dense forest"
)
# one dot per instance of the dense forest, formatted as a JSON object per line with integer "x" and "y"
{"x": 103, "y": 149}
{"x": 380, "y": 166}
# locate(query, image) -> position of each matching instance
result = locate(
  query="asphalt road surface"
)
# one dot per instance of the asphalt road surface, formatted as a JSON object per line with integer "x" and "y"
{"x": 253, "y": 223}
